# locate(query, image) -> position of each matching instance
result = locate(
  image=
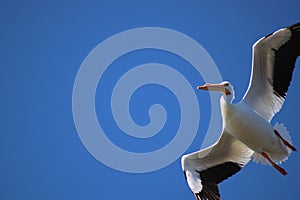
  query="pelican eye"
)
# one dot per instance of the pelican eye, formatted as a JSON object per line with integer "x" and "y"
{"x": 226, "y": 84}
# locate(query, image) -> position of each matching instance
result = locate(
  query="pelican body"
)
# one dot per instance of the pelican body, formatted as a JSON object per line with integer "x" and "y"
{"x": 249, "y": 127}
{"x": 247, "y": 132}
{"x": 246, "y": 125}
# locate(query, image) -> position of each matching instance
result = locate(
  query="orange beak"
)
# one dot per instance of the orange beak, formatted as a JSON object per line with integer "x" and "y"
{"x": 214, "y": 87}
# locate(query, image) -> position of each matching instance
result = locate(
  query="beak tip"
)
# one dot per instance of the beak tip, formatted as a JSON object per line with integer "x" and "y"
{"x": 203, "y": 87}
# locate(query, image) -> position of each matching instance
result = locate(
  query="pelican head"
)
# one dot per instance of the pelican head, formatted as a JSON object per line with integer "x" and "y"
{"x": 225, "y": 88}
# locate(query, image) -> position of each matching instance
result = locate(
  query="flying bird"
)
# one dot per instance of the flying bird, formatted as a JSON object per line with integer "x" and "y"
{"x": 247, "y": 132}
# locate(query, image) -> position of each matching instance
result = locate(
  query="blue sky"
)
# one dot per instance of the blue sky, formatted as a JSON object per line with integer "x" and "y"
{"x": 42, "y": 47}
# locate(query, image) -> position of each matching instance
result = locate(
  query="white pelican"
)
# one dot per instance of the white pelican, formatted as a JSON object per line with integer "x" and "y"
{"x": 247, "y": 132}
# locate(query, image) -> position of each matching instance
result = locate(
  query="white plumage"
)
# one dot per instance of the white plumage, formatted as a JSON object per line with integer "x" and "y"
{"x": 247, "y": 132}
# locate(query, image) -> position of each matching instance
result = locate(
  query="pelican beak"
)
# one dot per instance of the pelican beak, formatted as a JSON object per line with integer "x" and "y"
{"x": 214, "y": 87}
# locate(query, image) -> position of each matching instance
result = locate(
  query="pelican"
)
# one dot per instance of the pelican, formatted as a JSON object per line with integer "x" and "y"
{"x": 247, "y": 132}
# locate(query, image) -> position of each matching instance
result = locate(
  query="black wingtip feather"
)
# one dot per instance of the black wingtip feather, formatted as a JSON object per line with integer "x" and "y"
{"x": 294, "y": 26}
{"x": 213, "y": 176}
{"x": 285, "y": 59}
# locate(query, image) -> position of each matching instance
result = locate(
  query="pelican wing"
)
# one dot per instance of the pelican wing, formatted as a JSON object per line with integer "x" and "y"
{"x": 274, "y": 58}
{"x": 205, "y": 169}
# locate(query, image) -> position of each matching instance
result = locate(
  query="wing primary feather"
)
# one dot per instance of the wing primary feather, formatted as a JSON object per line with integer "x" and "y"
{"x": 274, "y": 59}
{"x": 285, "y": 60}
{"x": 205, "y": 169}
{"x": 215, "y": 175}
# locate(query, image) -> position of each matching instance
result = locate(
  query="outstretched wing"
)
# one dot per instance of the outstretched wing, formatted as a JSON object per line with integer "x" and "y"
{"x": 274, "y": 58}
{"x": 205, "y": 169}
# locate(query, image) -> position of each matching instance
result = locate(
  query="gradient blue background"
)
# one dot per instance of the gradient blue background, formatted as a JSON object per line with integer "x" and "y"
{"x": 42, "y": 47}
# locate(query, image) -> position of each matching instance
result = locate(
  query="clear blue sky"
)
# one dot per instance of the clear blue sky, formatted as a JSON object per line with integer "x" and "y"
{"x": 42, "y": 47}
